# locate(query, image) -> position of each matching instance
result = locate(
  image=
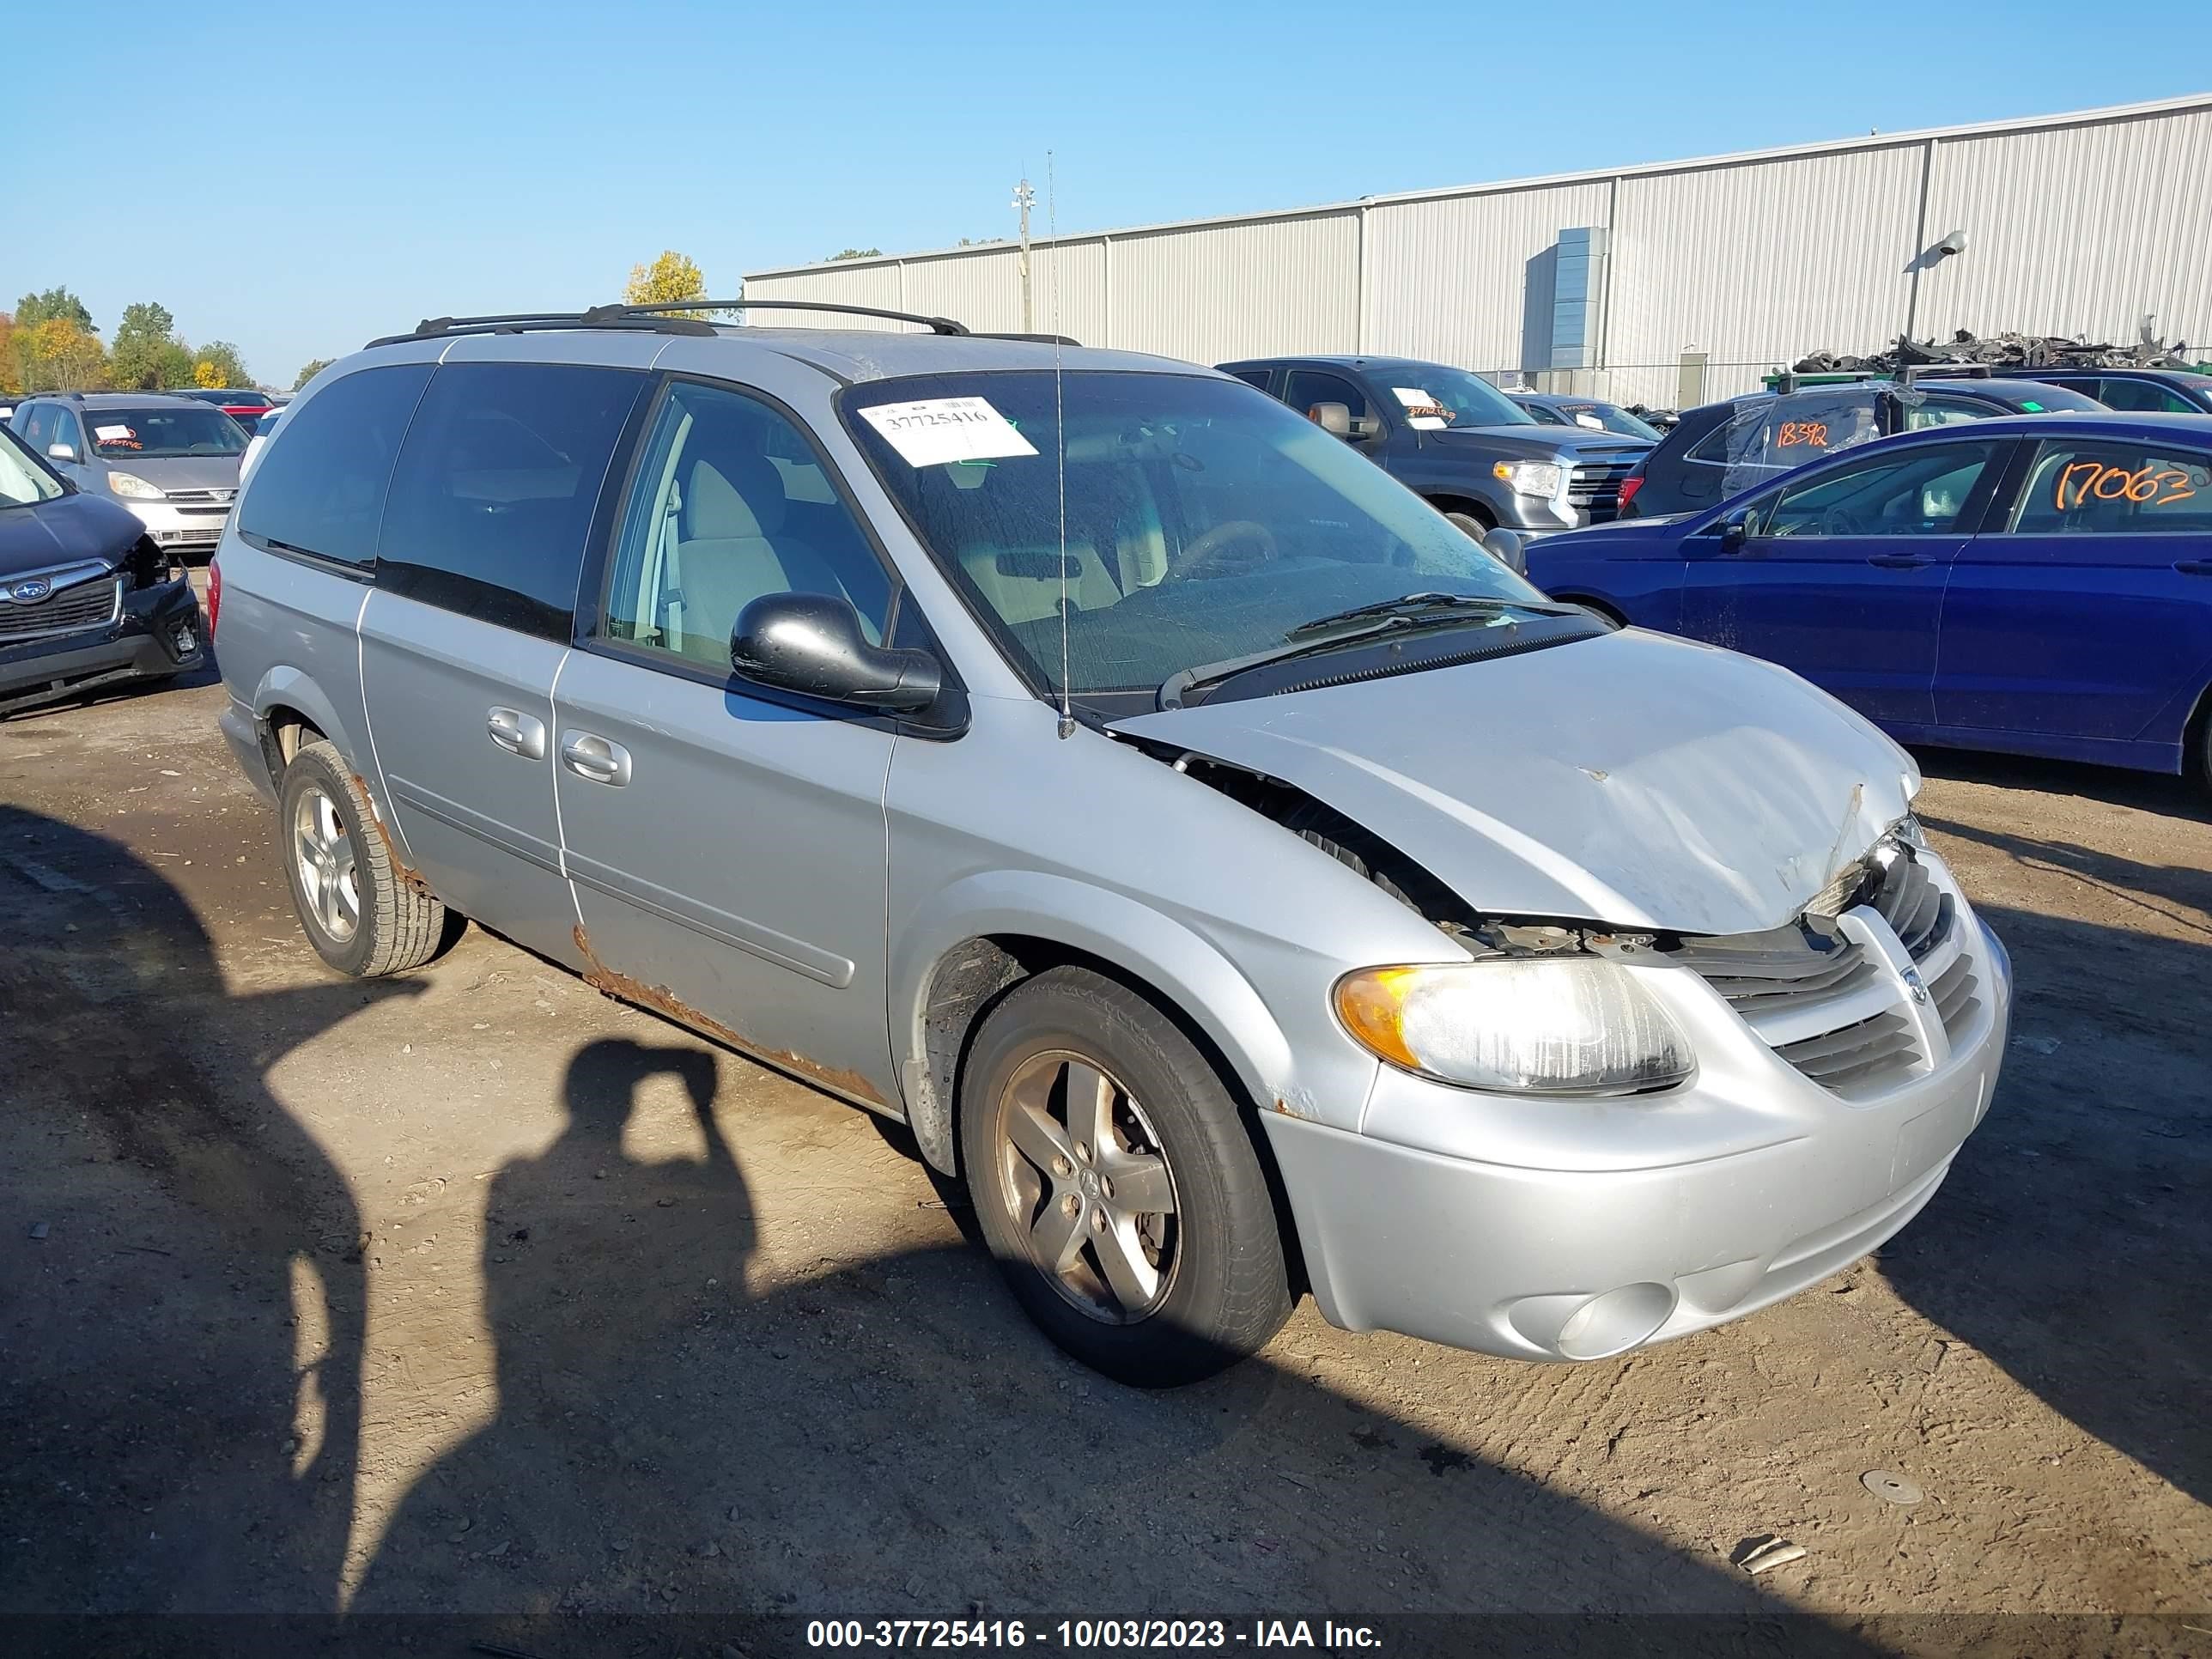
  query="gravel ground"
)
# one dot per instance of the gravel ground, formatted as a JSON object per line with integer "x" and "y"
{"x": 477, "y": 1293}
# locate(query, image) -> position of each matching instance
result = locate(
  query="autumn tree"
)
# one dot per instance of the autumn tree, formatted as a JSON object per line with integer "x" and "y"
{"x": 219, "y": 358}
{"x": 9, "y": 383}
{"x": 310, "y": 370}
{"x": 671, "y": 277}
{"x": 56, "y": 355}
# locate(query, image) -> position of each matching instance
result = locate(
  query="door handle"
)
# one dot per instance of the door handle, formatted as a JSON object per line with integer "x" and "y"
{"x": 2194, "y": 567}
{"x": 1900, "y": 561}
{"x": 596, "y": 758}
{"x": 517, "y": 733}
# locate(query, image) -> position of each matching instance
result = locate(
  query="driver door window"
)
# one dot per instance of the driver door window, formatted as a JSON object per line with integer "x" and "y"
{"x": 724, "y": 510}
{"x": 1306, "y": 387}
{"x": 1923, "y": 493}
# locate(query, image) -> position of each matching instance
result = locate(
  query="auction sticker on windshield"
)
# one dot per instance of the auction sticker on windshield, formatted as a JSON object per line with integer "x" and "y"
{"x": 112, "y": 435}
{"x": 936, "y": 430}
{"x": 1423, "y": 412}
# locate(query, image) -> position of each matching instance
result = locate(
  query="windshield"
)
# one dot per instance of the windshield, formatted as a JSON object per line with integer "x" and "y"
{"x": 163, "y": 433}
{"x": 1605, "y": 417}
{"x": 1205, "y": 520}
{"x": 23, "y": 482}
{"x": 1431, "y": 395}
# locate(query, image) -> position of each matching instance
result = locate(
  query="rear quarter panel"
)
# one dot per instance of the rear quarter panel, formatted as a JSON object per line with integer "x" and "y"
{"x": 287, "y": 639}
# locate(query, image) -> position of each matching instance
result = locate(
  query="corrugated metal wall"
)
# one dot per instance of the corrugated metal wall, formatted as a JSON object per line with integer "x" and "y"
{"x": 2076, "y": 224}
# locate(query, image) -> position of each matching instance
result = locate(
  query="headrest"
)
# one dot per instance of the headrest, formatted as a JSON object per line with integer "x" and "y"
{"x": 733, "y": 495}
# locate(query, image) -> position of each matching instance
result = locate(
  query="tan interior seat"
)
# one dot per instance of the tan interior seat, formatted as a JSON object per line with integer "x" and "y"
{"x": 730, "y": 550}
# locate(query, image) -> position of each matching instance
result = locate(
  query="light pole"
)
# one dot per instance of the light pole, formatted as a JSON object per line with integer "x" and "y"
{"x": 1024, "y": 198}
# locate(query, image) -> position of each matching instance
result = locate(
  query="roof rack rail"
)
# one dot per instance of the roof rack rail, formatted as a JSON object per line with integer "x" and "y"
{"x": 520, "y": 322}
{"x": 1034, "y": 339}
{"x": 934, "y": 324}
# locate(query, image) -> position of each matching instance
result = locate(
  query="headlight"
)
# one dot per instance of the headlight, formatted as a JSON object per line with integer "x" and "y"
{"x": 1528, "y": 478}
{"x": 1528, "y": 1025}
{"x": 130, "y": 484}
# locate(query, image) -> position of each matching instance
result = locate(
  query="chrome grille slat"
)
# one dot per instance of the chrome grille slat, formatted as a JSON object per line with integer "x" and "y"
{"x": 1914, "y": 907}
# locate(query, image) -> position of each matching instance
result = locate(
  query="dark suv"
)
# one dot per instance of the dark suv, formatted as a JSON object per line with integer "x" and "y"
{"x": 1455, "y": 440}
{"x": 1722, "y": 448}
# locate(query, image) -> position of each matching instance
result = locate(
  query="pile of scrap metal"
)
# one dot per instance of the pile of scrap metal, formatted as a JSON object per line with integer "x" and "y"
{"x": 2002, "y": 351}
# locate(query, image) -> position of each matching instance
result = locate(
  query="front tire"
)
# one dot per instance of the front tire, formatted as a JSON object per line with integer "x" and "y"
{"x": 1474, "y": 526}
{"x": 362, "y": 914}
{"x": 1117, "y": 1185}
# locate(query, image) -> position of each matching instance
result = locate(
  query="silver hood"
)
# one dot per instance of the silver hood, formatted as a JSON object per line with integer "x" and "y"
{"x": 180, "y": 472}
{"x": 1636, "y": 779}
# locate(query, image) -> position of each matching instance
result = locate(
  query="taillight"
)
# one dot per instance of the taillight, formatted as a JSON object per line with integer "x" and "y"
{"x": 214, "y": 594}
{"x": 1629, "y": 486}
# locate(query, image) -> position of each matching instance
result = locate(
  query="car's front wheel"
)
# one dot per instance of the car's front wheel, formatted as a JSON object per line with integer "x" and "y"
{"x": 1117, "y": 1184}
{"x": 363, "y": 916}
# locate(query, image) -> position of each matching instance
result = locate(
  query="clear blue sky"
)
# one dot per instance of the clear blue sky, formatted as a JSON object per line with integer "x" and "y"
{"x": 297, "y": 178}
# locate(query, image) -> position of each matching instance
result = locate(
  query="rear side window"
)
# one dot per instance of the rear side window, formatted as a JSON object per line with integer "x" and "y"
{"x": 2147, "y": 396}
{"x": 2087, "y": 488}
{"x": 492, "y": 500}
{"x": 321, "y": 491}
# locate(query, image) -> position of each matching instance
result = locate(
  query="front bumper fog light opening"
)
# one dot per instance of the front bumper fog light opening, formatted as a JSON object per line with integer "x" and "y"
{"x": 1616, "y": 1321}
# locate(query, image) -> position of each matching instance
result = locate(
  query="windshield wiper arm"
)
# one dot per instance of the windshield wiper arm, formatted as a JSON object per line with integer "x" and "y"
{"x": 1410, "y": 606}
{"x": 1344, "y": 629}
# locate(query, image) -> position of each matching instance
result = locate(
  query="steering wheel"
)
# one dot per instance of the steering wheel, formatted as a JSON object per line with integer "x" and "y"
{"x": 1836, "y": 521}
{"x": 1202, "y": 556}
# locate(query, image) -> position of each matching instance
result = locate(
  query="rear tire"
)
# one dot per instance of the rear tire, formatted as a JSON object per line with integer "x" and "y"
{"x": 1075, "y": 1082}
{"x": 362, "y": 916}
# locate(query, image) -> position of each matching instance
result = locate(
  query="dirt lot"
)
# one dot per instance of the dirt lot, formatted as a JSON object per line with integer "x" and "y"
{"x": 479, "y": 1292}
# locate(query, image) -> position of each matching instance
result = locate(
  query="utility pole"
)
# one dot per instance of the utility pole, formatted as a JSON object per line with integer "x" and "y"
{"x": 1024, "y": 198}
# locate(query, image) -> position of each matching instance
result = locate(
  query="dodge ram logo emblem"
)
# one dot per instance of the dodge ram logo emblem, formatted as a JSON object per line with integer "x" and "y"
{"x": 30, "y": 592}
{"x": 1915, "y": 984}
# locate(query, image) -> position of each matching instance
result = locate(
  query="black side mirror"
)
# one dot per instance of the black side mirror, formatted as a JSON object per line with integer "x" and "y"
{"x": 1333, "y": 418}
{"x": 1734, "y": 529}
{"x": 812, "y": 644}
{"x": 1508, "y": 548}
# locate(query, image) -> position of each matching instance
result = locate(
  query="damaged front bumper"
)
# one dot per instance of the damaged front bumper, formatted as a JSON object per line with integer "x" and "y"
{"x": 1563, "y": 1229}
{"x": 152, "y": 632}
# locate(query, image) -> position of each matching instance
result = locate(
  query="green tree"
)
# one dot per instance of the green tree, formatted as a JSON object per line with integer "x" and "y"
{"x": 35, "y": 308}
{"x": 671, "y": 277}
{"x": 308, "y": 374}
{"x": 143, "y": 340}
{"x": 10, "y": 377}
{"x": 175, "y": 365}
{"x": 856, "y": 254}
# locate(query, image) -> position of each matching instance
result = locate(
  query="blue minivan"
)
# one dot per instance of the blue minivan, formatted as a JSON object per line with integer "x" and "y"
{"x": 2037, "y": 584}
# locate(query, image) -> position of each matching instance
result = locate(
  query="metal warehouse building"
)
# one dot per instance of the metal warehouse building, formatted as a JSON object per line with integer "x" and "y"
{"x": 1668, "y": 283}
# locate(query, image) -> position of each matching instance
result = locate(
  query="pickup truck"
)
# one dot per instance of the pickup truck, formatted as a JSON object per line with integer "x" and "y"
{"x": 1456, "y": 440}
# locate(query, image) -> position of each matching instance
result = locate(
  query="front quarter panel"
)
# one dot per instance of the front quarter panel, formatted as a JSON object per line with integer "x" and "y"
{"x": 1237, "y": 923}
{"x": 1633, "y": 571}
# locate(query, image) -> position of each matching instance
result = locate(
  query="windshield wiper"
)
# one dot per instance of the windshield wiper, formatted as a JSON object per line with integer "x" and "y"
{"x": 1408, "y": 607}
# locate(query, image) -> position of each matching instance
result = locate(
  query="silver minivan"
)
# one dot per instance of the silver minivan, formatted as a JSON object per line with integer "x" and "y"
{"x": 173, "y": 460}
{"x": 1240, "y": 878}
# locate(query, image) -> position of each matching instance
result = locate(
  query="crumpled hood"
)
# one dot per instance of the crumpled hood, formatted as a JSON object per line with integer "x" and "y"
{"x": 62, "y": 532}
{"x": 1635, "y": 780}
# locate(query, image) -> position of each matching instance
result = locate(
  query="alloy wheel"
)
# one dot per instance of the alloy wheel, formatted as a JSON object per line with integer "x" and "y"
{"x": 1089, "y": 1186}
{"x": 330, "y": 880}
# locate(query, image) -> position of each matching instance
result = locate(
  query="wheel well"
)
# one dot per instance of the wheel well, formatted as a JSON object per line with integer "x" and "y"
{"x": 970, "y": 979}
{"x": 284, "y": 733}
{"x": 1473, "y": 509}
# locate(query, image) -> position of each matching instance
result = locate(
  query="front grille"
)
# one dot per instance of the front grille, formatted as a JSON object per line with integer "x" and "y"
{"x": 220, "y": 497}
{"x": 1868, "y": 1051}
{"x": 1825, "y": 1003}
{"x": 1912, "y": 905}
{"x": 87, "y": 604}
{"x": 1594, "y": 487}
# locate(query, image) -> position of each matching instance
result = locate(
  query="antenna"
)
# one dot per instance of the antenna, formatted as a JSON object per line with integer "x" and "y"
{"x": 1059, "y": 422}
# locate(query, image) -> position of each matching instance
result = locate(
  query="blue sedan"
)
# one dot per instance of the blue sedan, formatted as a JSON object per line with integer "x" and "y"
{"x": 2037, "y": 584}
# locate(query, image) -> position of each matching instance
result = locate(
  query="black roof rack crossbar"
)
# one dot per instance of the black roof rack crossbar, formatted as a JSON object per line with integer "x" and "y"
{"x": 934, "y": 324}
{"x": 439, "y": 328}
